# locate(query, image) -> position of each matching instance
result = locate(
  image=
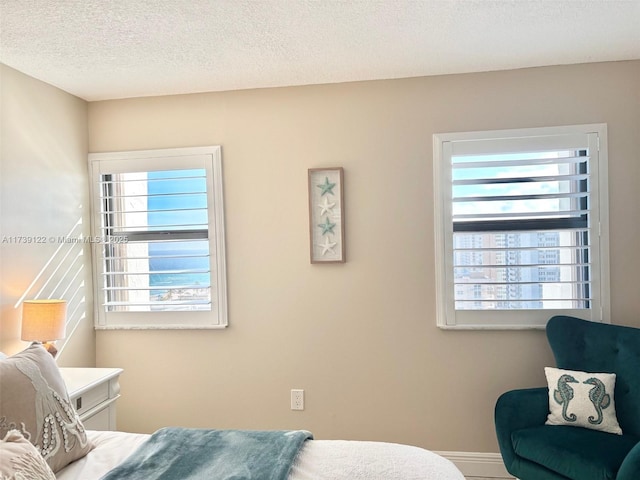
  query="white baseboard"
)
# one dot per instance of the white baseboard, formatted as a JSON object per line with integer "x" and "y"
{"x": 474, "y": 464}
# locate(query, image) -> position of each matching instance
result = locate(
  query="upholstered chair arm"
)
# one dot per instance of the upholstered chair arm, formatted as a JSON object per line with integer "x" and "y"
{"x": 519, "y": 409}
{"x": 630, "y": 468}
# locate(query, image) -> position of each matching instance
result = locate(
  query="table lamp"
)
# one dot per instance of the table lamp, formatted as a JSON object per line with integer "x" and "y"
{"x": 43, "y": 321}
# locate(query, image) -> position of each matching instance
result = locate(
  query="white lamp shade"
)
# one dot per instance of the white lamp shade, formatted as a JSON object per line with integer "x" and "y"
{"x": 43, "y": 320}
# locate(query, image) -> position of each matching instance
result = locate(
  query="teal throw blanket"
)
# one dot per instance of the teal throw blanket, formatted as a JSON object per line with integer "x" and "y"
{"x": 198, "y": 454}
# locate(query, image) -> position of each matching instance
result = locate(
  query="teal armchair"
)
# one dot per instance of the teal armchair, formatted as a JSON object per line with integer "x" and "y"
{"x": 532, "y": 450}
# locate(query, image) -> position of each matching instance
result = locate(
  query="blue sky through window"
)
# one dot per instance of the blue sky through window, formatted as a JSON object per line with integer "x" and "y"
{"x": 178, "y": 201}
{"x": 514, "y": 188}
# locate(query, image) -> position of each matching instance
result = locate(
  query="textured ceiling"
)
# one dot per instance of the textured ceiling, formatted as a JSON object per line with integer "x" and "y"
{"x": 102, "y": 49}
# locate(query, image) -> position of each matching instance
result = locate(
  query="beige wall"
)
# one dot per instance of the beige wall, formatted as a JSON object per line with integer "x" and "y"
{"x": 361, "y": 337}
{"x": 43, "y": 195}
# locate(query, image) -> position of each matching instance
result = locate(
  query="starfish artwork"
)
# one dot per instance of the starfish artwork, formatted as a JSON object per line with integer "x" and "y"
{"x": 327, "y": 227}
{"x": 326, "y": 187}
{"x": 328, "y": 246}
{"x": 326, "y": 208}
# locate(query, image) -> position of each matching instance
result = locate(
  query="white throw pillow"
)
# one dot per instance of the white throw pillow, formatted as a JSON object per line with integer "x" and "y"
{"x": 582, "y": 399}
{"x": 34, "y": 400}
{"x": 19, "y": 459}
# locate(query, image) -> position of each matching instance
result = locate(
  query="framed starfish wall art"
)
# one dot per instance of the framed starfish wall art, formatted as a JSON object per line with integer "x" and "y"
{"x": 326, "y": 215}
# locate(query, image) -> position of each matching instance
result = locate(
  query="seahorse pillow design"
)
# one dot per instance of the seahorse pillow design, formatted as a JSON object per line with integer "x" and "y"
{"x": 582, "y": 399}
{"x": 34, "y": 401}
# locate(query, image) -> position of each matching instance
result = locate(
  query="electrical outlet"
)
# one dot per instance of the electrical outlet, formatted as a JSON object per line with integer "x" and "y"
{"x": 297, "y": 399}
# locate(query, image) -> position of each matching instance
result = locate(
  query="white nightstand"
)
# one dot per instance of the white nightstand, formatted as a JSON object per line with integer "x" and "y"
{"x": 93, "y": 393}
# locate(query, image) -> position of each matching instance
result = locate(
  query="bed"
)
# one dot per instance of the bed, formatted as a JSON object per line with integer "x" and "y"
{"x": 43, "y": 439}
{"x": 316, "y": 460}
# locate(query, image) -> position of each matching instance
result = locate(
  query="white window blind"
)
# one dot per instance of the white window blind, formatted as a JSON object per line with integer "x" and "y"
{"x": 161, "y": 264}
{"x": 520, "y": 235}
{"x": 159, "y": 256}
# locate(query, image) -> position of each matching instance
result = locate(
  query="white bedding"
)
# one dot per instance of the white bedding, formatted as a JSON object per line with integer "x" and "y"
{"x": 318, "y": 460}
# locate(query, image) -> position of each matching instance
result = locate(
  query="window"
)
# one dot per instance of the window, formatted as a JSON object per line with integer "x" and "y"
{"x": 158, "y": 239}
{"x": 521, "y": 226}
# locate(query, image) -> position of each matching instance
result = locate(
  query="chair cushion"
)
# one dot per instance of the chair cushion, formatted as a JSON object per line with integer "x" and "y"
{"x": 577, "y": 453}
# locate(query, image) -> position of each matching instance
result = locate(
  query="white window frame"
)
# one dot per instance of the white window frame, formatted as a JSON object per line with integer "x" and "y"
{"x": 208, "y": 158}
{"x": 444, "y": 144}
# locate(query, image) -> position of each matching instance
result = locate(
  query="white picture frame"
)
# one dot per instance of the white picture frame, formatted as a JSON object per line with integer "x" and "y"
{"x": 326, "y": 215}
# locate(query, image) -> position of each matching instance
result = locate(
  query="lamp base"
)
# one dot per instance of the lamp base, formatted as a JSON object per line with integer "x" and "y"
{"x": 50, "y": 347}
